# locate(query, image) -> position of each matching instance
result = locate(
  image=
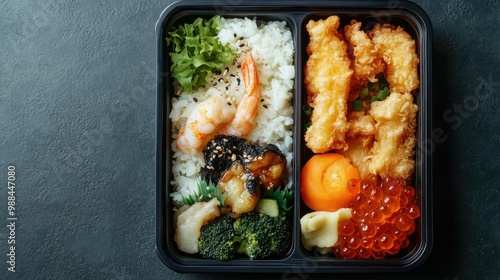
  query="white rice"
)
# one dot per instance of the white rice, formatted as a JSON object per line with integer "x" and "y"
{"x": 271, "y": 45}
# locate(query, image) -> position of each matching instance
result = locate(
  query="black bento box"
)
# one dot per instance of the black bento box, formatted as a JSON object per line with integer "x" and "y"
{"x": 296, "y": 14}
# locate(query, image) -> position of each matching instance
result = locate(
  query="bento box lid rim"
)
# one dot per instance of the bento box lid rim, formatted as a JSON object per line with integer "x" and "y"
{"x": 297, "y": 4}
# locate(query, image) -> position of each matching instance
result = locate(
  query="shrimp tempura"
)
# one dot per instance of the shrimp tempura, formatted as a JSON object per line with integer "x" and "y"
{"x": 327, "y": 78}
{"x": 397, "y": 48}
{"x": 366, "y": 60}
{"x": 395, "y": 141}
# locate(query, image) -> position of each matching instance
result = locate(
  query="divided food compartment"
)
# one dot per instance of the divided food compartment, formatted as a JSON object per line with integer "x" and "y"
{"x": 296, "y": 15}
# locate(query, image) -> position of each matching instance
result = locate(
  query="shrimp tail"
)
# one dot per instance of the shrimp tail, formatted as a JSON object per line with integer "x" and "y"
{"x": 215, "y": 113}
{"x": 243, "y": 121}
{"x": 250, "y": 75}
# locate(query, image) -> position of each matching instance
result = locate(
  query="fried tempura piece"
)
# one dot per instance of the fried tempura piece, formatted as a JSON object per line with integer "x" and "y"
{"x": 366, "y": 60}
{"x": 360, "y": 124}
{"x": 360, "y": 137}
{"x": 360, "y": 155}
{"x": 327, "y": 78}
{"x": 395, "y": 137}
{"x": 397, "y": 48}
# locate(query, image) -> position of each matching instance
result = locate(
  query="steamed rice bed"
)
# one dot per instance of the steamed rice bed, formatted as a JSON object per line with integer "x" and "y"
{"x": 271, "y": 45}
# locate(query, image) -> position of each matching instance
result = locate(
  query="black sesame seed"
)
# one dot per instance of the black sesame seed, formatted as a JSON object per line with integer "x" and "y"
{"x": 235, "y": 35}
{"x": 195, "y": 99}
{"x": 239, "y": 80}
{"x": 262, "y": 100}
{"x": 241, "y": 38}
{"x": 229, "y": 103}
{"x": 239, "y": 66}
{"x": 265, "y": 106}
{"x": 215, "y": 84}
{"x": 242, "y": 45}
{"x": 232, "y": 75}
{"x": 227, "y": 88}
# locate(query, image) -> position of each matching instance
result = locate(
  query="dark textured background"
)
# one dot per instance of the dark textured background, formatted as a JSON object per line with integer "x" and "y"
{"x": 77, "y": 120}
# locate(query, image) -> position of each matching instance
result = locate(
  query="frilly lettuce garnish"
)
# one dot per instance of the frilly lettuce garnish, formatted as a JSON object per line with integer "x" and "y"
{"x": 197, "y": 52}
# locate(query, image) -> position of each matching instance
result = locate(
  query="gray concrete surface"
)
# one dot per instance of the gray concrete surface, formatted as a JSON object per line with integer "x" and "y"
{"x": 77, "y": 121}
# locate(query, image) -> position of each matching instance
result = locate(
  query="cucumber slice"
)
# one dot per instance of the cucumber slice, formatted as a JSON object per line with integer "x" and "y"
{"x": 268, "y": 206}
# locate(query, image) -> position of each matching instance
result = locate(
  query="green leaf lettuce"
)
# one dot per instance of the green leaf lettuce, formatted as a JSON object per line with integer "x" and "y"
{"x": 197, "y": 52}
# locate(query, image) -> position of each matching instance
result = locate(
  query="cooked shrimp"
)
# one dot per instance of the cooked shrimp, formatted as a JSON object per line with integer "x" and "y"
{"x": 206, "y": 119}
{"x": 241, "y": 188}
{"x": 189, "y": 221}
{"x": 242, "y": 123}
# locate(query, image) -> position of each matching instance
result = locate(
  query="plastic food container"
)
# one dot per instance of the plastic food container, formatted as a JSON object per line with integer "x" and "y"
{"x": 296, "y": 14}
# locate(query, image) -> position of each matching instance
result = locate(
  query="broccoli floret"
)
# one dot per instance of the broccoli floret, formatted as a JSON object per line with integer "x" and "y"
{"x": 256, "y": 235}
{"x": 218, "y": 239}
{"x": 263, "y": 236}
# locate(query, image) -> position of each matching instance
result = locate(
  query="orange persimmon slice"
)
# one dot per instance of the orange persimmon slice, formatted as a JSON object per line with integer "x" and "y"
{"x": 329, "y": 182}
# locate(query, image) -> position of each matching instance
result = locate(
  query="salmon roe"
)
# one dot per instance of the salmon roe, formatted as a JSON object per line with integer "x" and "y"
{"x": 383, "y": 216}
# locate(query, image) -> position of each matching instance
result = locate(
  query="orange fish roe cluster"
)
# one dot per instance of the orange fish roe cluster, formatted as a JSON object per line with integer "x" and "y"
{"x": 383, "y": 216}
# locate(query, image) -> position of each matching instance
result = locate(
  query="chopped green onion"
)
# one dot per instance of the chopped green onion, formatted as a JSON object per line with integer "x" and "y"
{"x": 383, "y": 93}
{"x": 363, "y": 93}
{"x": 357, "y": 105}
{"x": 308, "y": 124}
{"x": 373, "y": 99}
{"x": 307, "y": 110}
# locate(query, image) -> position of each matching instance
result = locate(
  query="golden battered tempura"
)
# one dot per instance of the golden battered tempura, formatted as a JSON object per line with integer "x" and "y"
{"x": 380, "y": 138}
{"x": 327, "y": 79}
{"x": 360, "y": 138}
{"x": 397, "y": 48}
{"x": 360, "y": 157}
{"x": 366, "y": 60}
{"x": 360, "y": 124}
{"x": 394, "y": 144}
